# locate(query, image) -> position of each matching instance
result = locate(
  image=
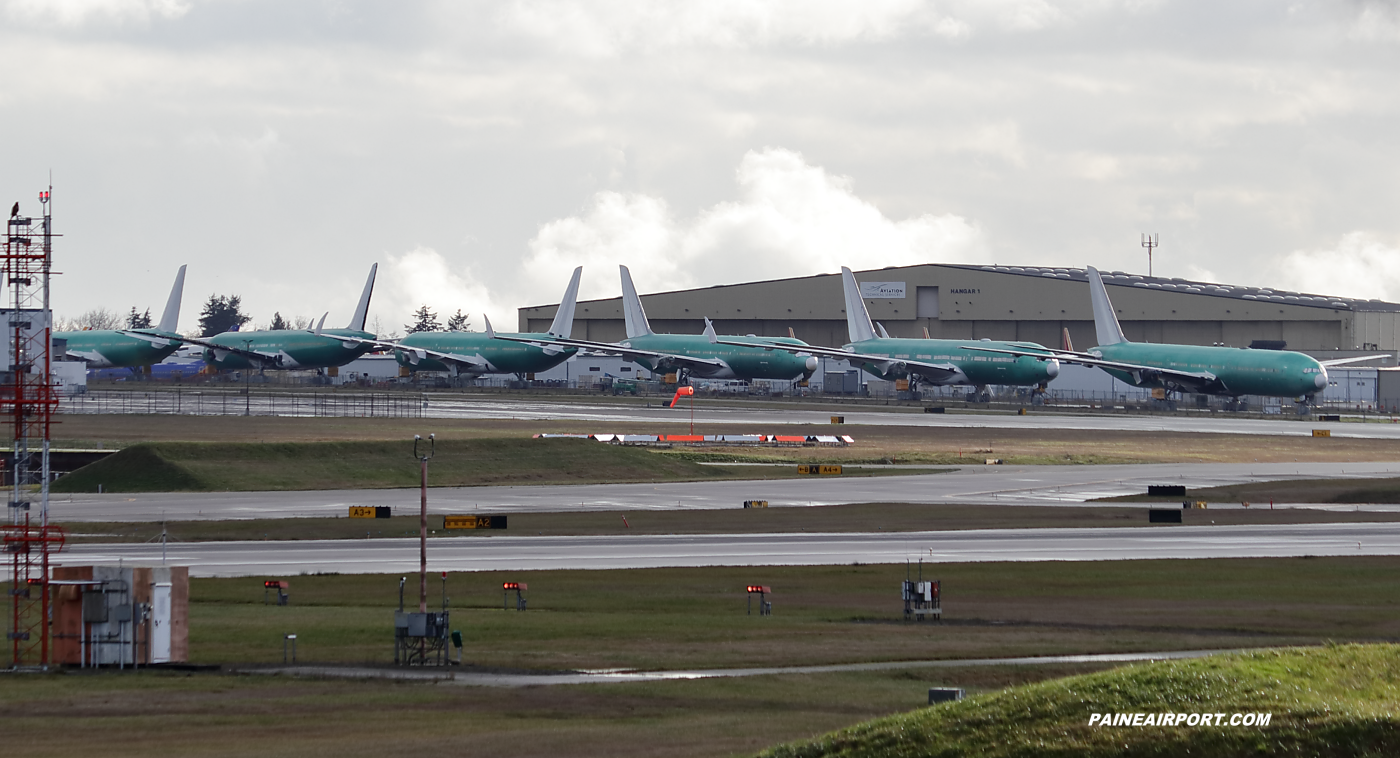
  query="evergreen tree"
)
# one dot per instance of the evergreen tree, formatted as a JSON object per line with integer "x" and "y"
{"x": 221, "y": 314}
{"x": 279, "y": 323}
{"x": 458, "y": 322}
{"x": 424, "y": 320}
{"x": 138, "y": 320}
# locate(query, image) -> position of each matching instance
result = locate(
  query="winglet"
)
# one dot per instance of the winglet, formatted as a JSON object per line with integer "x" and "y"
{"x": 636, "y": 316}
{"x": 1105, "y": 323}
{"x": 357, "y": 322}
{"x": 322, "y": 323}
{"x": 169, "y": 320}
{"x": 710, "y": 332}
{"x": 1068, "y": 344}
{"x": 491, "y": 333}
{"x": 926, "y": 335}
{"x": 881, "y": 328}
{"x": 563, "y": 325}
{"x": 791, "y": 333}
{"x": 858, "y": 324}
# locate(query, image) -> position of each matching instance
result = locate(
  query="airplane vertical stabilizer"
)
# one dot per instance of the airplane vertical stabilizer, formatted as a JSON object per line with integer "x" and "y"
{"x": 563, "y": 325}
{"x": 637, "y": 325}
{"x": 170, "y": 320}
{"x": 857, "y": 317}
{"x": 357, "y": 322}
{"x": 1105, "y": 322}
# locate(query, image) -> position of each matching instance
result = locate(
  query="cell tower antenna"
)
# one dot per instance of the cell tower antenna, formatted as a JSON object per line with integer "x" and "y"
{"x": 1149, "y": 241}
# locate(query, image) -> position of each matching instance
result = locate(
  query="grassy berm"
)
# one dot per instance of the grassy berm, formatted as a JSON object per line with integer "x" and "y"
{"x": 240, "y": 466}
{"x": 1332, "y": 701}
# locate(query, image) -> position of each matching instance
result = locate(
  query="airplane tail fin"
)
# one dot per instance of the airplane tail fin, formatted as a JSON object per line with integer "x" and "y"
{"x": 857, "y": 317}
{"x": 563, "y": 325}
{"x": 169, "y": 320}
{"x": 632, "y": 308}
{"x": 357, "y": 322}
{"x": 1105, "y": 322}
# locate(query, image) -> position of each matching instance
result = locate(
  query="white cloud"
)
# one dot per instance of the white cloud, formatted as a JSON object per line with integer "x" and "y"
{"x": 71, "y": 13}
{"x": 791, "y": 219}
{"x": 423, "y": 277}
{"x": 1359, "y": 265}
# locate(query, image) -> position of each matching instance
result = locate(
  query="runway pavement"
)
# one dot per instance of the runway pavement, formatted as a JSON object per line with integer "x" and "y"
{"x": 510, "y": 553}
{"x": 614, "y": 417}
{"x": 992, "y": 485}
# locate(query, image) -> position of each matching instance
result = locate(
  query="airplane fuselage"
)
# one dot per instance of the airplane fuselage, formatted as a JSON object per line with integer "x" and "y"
{"x": 294, "y": 349}
{"x": 975, "y": 367}
{"x": 500, "y": 356}
{"x": 1270, "y": 373}
{"x": 108, "y": 348}
{"x": 735, "y": 362}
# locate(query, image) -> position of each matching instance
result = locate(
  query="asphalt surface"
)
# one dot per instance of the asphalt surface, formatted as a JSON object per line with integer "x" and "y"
{"x": 510, "y": 553}
{"x": 990, "y": 485}
{"x": 614, "y": 417}
{"x": 468, "y": 678}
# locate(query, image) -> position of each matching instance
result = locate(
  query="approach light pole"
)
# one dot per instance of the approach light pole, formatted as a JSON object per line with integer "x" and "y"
{"x": 1149, "y": 241}
{"x": 423, "y": 459}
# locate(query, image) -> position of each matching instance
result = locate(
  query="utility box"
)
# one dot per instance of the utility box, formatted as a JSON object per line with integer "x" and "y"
{"x": 120, "y": 616}
{"x": 922, "y": 599}
{"x": 420, "y": 639}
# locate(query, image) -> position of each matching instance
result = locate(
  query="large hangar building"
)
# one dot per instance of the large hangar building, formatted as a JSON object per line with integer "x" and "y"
{"x": 1008, "y": 303}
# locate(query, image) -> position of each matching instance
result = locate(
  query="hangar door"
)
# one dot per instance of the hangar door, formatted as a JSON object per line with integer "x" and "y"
{"x": 927, "y": 304}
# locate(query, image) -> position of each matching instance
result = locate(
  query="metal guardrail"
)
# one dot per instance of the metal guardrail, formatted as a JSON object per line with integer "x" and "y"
{"x": 236, "y": 403}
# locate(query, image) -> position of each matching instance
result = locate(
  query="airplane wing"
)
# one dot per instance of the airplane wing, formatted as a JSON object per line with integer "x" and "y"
{"x": 926, "y": 369}
{"x": 155, "y": 338}
{"x": 1194, "y": 381}
{"x": 1357, "y": 359}
{"x": 626, "y": 353}
{"x": 259, "y": 356}
{"x": 416, "y": 353}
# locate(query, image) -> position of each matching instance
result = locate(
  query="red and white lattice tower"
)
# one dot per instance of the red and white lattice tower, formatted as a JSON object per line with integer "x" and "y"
{"x": 27, "y": 403}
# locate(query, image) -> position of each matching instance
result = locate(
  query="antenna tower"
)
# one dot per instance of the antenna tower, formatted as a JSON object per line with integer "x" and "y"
{"x": 1149, "y": 241}
{"x": 27, "y": 404}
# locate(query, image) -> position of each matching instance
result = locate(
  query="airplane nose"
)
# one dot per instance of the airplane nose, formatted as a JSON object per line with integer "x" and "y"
{"x": 1321, "y": 380}
{"x": 1052, "y": 368}
{"x": 810, "y": 364}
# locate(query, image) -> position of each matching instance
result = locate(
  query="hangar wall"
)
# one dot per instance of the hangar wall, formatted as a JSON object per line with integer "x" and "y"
{"x": 1005, "y": 303}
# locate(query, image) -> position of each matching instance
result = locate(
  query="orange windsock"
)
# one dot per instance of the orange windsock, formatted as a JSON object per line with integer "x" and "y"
{"x": 682, "y": 391}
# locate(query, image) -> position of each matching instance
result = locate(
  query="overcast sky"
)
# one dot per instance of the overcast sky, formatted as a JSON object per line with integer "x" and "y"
{"x": 480, "y": 151}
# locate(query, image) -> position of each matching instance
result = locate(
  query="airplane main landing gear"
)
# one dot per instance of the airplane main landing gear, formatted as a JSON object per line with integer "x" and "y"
{"x": 980, "y": 394}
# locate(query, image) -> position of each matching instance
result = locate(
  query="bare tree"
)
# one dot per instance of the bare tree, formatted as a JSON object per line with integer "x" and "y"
{"x": 97, "y": 318}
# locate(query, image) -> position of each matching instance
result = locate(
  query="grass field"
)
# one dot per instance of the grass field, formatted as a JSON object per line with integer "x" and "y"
{"x": 675, "y": 618}
{"x": 1340, "y": 491}
{"x": 868, "y": 517}
{"x": 695, "y": 618}
{"x": 212, "y": 716}
{"x": 1338, "y": 701}
{"x": 900, "y": 444}
{"x": 362, "y": 464}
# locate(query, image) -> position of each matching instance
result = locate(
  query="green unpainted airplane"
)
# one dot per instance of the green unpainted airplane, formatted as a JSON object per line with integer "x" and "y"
{"x": 696, "y": 355}
{"x": 939, "y": 362}
{"x": 287, "y": 349}
{"x": 129, "y": 348}
{"x": 1224, "y": 371}
{"x": 473, "y": 354}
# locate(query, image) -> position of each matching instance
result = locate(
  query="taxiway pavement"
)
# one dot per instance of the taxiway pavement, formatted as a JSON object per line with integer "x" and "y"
{"x": 988, "y": 485}
{"x": 511, "y": 553}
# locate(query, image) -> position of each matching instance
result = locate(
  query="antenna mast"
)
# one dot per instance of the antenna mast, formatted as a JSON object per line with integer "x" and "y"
{"x": 1149, "y": 241}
